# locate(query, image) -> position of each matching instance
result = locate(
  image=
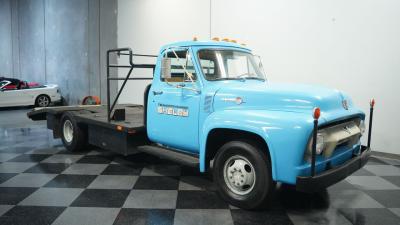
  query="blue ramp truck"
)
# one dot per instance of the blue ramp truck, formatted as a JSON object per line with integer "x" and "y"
{"x": 210, "y": 106}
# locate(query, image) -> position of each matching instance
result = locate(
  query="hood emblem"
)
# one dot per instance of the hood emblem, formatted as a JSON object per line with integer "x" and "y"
{"x": 237, "y": 100}
{"x": 345, "y": 104}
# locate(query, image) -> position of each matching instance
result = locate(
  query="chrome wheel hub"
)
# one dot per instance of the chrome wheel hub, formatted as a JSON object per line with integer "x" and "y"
{"x": 43, "y": 101}
{"x": 68, "y": 131}
{"x": 239, "y": 175}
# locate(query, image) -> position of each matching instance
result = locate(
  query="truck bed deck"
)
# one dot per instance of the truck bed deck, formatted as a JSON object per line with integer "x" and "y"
{"x": 125, "y": 137}
{"x": 96, "y": 114}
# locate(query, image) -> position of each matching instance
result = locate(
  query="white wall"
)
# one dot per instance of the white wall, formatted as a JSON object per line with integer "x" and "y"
{"x": 349, "y": 45}
{"x": 146, "y": 25}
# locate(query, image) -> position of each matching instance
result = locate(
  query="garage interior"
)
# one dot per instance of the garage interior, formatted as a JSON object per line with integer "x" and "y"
{"x": 347, "y": 45}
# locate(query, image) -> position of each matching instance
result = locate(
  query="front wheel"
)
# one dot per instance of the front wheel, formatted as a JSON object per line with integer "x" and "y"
{"x": 242, "y": 173}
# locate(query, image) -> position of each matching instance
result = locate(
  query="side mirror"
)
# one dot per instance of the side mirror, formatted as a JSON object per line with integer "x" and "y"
{"x": 166, "y": 68}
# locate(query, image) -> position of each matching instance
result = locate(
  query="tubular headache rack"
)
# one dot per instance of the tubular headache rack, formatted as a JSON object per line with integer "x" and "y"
{"x": 124, "y": 52}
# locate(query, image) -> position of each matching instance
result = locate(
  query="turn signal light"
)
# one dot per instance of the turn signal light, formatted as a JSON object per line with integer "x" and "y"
{"x": 215, "y": 39}
{"x": 317, "y": 113}
{"x": 119, "y": 128}
{"x": 225, "y": 39}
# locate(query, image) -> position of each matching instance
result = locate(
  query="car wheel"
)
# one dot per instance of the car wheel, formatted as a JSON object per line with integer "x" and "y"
{"x": 42, "y": 101}
{"x": 242, "y": 173}
{"x": 73, "y": 136}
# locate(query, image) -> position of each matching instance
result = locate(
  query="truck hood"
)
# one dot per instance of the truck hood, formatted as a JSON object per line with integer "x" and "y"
{"x": 284, "y": 97}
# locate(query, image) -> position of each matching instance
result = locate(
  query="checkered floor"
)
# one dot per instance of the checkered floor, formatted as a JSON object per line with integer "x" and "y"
{"x": 42, "y": 183}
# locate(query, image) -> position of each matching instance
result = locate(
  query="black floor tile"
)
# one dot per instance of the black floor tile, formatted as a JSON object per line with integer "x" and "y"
{"x": 101, "y": 198}
{"x": 13, "y": 195}
{"x": 117, "y": 169}
{"x": 200, "y": 200}
{"x": 157, "y": 183}
{"x": 80, "y": 152}
{"x": 388, "y": 198}
{"x": 393, "y": 179}
{"x": 292, "y": 199}
{"x": 139, "y": 158}
{"x": 32, "y": 215}
{"x": 6, "y": 176}
{"x": 370, "y": 216}
{"x": 71, "y": 181}
{"x": 191, "y": 171}
{"x": 269, "y": 217}
{"x": 145, "y": 216}
{"x": 95, "y": 159}
{"x": 48, "y": 168}
{"x": 29, "y": 158}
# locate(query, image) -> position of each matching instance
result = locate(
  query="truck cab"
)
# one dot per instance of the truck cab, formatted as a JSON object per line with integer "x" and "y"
{"x": 210, "y": 103}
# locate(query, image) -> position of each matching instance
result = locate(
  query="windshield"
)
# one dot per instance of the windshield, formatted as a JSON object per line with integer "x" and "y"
{"x": 230, "y": 64}
{"x": 3, "y": 83}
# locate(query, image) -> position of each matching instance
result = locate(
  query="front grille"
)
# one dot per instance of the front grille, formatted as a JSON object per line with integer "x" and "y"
{"x": 339, "y": 134}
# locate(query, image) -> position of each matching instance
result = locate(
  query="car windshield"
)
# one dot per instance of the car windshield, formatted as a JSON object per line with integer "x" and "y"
{"x": 230, "y": 65}
{"x": 3, "y": 83}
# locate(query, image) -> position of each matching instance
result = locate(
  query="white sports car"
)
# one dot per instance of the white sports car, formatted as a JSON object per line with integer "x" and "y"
{"x": 14, "y": 92}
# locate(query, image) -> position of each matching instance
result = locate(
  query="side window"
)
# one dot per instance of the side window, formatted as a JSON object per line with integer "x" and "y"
{"x": 180, "y": 60}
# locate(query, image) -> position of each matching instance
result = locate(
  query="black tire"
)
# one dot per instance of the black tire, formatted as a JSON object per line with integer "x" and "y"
{"x": 79, "y": 135}
{"x": 257, "y": 196}
{"x": 42, "y": 101}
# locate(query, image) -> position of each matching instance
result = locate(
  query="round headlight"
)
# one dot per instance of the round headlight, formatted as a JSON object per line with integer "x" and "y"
{"x": 362, "y": 127}
{"x": 320, "y": 143}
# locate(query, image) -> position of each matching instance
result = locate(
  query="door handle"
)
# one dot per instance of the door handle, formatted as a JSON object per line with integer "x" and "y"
{"x": 157, "y": 92}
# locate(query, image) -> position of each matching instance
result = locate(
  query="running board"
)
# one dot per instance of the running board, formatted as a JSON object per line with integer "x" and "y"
{"x": 170, "y": 154}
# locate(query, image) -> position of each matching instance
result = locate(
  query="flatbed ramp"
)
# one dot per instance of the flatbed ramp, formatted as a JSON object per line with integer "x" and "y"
{"x": 124, "y": 137}
{"x": 95, "y": 114}
{"x": 120, "y": 136}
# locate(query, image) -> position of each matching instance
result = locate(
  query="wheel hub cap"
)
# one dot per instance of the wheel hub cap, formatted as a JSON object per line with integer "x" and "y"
{"x": 239, "y": 175}
{"x": 43, "y": 101}
{"x": 68, "y": 130}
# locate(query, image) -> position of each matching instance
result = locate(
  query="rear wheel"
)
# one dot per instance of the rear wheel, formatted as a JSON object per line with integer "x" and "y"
{"x": 243, "y": 175}
{"x": 72, "y": 135}
{"x": 42, "y": 101}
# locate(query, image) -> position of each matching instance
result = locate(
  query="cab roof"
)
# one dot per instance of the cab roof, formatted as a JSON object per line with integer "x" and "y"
{"x": 204, "y": 43}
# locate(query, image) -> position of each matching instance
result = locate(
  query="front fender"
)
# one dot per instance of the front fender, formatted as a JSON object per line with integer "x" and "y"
{"x": 286, "y": 134}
